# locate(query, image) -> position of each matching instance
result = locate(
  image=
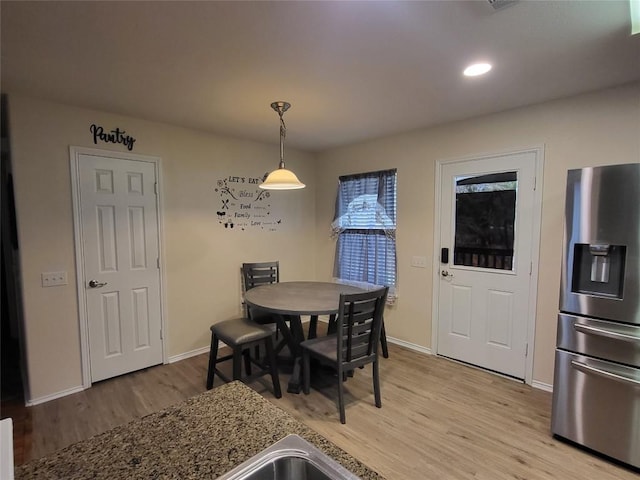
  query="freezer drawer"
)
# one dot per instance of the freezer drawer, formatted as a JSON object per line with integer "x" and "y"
{"x": 617, "y": 342}
{"x": 597, "y": 404}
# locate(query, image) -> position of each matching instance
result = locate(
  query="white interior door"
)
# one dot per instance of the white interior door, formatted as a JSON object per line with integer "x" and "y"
{"x": 486, "y": 225}
{"x": 119, "y": 223}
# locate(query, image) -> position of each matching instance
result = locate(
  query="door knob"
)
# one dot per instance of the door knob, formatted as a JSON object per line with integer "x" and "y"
{"x": 96, "y": 284}
{"x": 445, "y": 273}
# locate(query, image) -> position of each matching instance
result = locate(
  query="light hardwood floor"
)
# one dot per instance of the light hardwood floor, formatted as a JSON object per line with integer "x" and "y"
{"x": 439, "y": 419}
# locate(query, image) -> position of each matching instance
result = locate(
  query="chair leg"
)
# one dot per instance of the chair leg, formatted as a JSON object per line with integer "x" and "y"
{"x": 273, "y": 367}
{"x": 343, "y": 418}
{"x": 306, "y": 371}
{"x": 376, "y": 383}
{"x": 237, "y": 363}
{"x": 383, "y": 341}
{"x": 247, "y": 361}
{"x": 213, "y": 354}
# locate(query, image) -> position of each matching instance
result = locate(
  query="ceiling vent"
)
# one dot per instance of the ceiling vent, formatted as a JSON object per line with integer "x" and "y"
{"x": 500, "y": 4}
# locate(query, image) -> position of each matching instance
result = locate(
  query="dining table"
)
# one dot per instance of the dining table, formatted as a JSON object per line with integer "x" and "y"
{"x": 289, "y": 301}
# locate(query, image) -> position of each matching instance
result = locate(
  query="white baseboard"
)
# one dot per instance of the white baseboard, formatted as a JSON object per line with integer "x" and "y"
{"x": 192, "y": 353}
{"x": 53, "y": 396}
{"x": 199, "y": 351}
{"x": 410, "y": 346}
{"x": 542, "y": 386}
{"x": 64, "y": 393}
{"x": 418, "y": 348}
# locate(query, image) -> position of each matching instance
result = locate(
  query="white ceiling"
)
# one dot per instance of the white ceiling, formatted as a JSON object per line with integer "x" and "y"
{"x": 351, "y": 70}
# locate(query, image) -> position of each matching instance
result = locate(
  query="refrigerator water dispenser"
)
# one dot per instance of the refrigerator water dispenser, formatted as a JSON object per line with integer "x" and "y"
{"x": 599, "y": 269}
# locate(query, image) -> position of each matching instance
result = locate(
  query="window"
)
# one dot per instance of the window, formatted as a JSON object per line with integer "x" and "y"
{"x": 365, "y": 226}
{"x": 485, "y": 220}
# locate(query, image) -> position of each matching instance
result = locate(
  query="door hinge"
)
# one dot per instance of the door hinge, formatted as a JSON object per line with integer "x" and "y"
{"x": 160, "y": 334}
{"x": 158, "y": 262}
{"x": 155, "y": 188}
{"x": 531, "y": 268}
{"x": 535, "y": 183}
{"x": 526, "y": 349}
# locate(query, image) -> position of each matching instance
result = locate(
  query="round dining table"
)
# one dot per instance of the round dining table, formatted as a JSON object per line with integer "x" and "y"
{"x": 288, "y": 301}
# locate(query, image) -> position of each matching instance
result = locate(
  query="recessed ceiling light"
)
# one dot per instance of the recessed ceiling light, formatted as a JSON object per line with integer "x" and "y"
{"x": 477, "y": 69}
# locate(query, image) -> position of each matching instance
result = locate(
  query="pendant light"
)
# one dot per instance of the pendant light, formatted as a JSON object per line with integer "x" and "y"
{"x": 281, "y": 179}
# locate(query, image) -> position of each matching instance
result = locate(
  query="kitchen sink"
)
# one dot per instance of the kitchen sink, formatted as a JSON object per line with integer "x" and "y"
{"x": 292, "y": 458}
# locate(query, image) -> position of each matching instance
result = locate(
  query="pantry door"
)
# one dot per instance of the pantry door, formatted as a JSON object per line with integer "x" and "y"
{"x": 487, "y": 254}
{"x": 119, "y": 275}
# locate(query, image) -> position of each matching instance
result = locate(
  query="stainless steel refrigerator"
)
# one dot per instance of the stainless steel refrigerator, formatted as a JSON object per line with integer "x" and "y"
{"x": 596, "y": 388}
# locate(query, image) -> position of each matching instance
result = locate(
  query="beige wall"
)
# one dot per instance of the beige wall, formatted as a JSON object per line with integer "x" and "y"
{"x": 202, "y": 258}
{"x": 595, "y": 129}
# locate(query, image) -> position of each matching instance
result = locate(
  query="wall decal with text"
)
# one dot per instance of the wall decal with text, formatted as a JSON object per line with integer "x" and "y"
{"x": 244, "y": 205}
{"x": 114, "y": 136}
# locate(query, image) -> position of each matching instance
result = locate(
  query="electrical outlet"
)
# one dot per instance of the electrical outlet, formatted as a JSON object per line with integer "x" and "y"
{"x": 52, "y": 279}
{"x": 420, "y": 262}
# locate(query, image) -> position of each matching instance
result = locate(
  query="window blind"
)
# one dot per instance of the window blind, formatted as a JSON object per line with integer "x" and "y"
{"x": 365, "y": 225}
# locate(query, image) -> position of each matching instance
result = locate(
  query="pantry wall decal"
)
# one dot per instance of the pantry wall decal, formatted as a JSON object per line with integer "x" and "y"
{"x": 113, "y": 136}
{"x": 243, "y": 205}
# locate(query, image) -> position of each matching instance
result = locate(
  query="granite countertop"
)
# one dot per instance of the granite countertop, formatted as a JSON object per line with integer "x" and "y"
{"x": 202, "y": 437}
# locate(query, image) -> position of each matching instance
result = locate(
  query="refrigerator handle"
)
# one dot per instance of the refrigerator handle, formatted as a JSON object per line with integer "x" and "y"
{"x": 603, "y": 373}
{"x": 604, "y": 333}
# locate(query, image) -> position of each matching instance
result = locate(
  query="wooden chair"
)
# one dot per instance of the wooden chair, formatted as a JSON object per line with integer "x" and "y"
{"x": 257, "y": 274}
{"x": 241, "y": 334}
{"x": 383, "y": 335}
{"x": 354, "y": 344}
{"x": 262, "y": 273}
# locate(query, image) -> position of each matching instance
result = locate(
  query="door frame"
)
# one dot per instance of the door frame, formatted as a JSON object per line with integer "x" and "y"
{"x": 83, "y": 318}
{"x": 535, "y": 247}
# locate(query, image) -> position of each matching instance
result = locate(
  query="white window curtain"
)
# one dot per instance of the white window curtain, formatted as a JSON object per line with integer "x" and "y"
{"x": 365, "y": 227}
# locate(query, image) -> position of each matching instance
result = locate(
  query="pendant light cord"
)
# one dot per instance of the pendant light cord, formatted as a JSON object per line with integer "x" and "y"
{"x": 283, "y": 134}
{"x": 281, "y": 178}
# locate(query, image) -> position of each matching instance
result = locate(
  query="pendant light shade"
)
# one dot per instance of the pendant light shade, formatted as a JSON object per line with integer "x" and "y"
{"x": 281, "y": 179}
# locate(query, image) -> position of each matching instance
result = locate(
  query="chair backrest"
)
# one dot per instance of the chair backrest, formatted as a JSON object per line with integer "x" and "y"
{"x": 254, "y": 275}
{"x": 262, "y": 273}
{"x": 359, "y": 323}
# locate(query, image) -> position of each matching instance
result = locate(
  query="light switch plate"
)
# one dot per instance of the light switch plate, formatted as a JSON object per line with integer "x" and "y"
{"x": 52, "y": 279}
{"x": 418, "y": 261}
